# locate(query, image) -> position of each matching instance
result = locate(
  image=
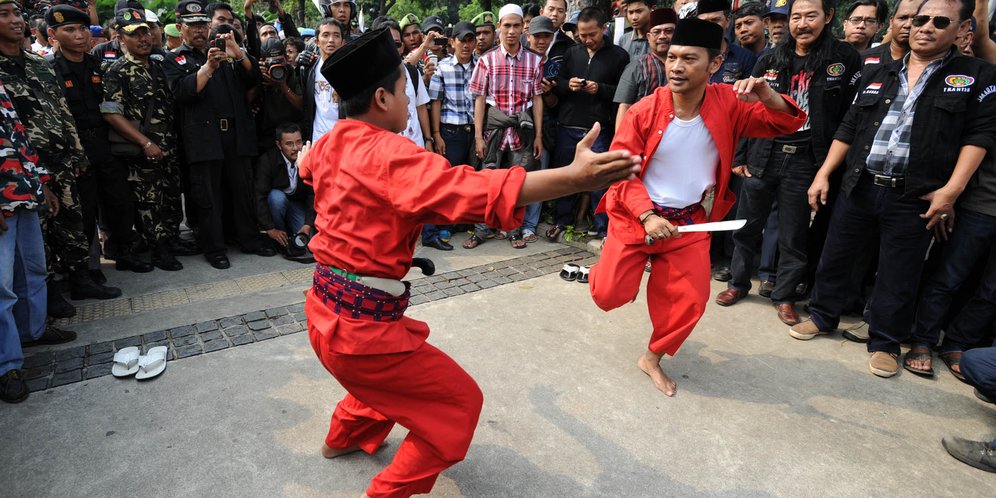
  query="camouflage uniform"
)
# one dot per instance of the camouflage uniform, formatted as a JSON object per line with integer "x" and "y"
{"x": 31, "y": 83}
{"x": 128, "y": 87}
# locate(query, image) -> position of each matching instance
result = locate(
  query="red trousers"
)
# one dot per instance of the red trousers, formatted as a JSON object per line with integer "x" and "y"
{"x": 676, "y": 293}
{"x": 423, "y": 390}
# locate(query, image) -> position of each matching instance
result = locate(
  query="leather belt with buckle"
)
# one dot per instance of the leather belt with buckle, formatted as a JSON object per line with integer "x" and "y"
{"x": 790, "y": 149}
{"x": 464, "y": 128}
{"x": 887, "y": 181}
{"x": 224, "y": 124}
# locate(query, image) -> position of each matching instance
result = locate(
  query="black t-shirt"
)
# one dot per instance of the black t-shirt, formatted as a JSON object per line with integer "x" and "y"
{"x": 799, "y": 91}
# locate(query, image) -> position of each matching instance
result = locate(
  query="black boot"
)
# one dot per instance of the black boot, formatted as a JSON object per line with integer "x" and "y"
{"x": 180, "y": 247}
{"x": 81, "y": 286}
{"x": 98, "y": 276}
{"x": 127, "y": 261}
{"x": 58, "y": 307}
{"x": 163, "y": 258}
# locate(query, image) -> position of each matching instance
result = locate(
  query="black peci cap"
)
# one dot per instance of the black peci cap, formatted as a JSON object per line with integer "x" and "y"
{"x": 361, "y": 63}
{"x": 693, "y": 32}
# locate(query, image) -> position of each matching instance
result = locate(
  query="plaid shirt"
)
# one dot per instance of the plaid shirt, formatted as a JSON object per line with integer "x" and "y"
{"x": 450, "y": 85}
{"x": 890, "y": 150}
{"x": 509, "y": 82}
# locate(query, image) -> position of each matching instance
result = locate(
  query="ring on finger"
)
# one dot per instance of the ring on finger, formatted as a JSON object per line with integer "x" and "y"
{"x": 944, "y": 216}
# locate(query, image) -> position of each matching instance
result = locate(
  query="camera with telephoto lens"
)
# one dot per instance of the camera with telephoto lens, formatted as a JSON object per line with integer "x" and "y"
{"x": 275, "y": 68}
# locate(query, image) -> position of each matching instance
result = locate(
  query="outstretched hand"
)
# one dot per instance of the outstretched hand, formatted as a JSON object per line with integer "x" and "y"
{"x": 304, "y": 167}
{"x": 753, "y": 89}
{"x": 597, "y": 170}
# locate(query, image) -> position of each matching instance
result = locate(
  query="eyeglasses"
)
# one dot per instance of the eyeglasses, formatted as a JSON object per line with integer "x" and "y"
{"x": 862, "y": 20}
{"x": 940, "y": 22}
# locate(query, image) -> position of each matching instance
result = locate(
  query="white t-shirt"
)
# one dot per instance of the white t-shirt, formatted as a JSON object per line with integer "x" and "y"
{"x": 684, "y": 165}
{"x": 414, "y": 129}
{"x": 326, "y": 107}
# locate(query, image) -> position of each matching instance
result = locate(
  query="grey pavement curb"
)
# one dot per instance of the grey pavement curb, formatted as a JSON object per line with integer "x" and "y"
{"x": 56, "y": 368}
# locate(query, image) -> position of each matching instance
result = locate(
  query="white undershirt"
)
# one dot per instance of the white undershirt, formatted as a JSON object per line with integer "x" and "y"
{"x": 684, "y": 165}
{"x": 291, "y": 175}
{"x": 326, "y": 107}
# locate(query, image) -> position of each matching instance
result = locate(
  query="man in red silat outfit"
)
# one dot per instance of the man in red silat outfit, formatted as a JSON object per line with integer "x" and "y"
{"x": 686, "y": 133}
{"x": 373, "y": 191}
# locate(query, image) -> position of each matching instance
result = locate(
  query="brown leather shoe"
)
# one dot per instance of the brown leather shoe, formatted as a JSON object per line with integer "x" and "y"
{"x": 787, "y": 314}
{"x": 729, "y": 297}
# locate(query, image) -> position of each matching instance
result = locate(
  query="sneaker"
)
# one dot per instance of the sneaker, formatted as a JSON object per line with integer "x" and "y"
{"x": 883, "y": 364}
{"x": 767, "y": 287}
{"x": 857, "y": 332}
{"x": 52, "y": 335}
{"x": 13, "y": 389}
{"x": 978, "y": 454}
{"x": 806, "y": 330}
{"x": 445, "y": 236}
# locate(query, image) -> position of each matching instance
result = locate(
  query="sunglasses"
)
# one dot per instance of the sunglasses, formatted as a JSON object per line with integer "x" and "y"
{"x": 940, "y": 22}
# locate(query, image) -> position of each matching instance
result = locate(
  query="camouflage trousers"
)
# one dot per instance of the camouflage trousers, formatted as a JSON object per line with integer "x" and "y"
{"x": 67, "y": 247}
{"x": 156, "y": 188}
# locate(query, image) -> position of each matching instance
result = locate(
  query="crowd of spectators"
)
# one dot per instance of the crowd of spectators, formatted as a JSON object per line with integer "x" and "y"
{"x": 116, "y": 134}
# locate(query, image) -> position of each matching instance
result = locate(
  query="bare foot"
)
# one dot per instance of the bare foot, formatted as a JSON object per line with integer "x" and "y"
{"x": 650, "y": 363}
{"x": 337, "y": 452}
{"x": 328, "y": 452}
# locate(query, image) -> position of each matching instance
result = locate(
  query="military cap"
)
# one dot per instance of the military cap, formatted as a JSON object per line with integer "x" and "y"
{"x": 62, "y": 15}
{"x": 484, "y": 19}
{"x": 191, "y": 11}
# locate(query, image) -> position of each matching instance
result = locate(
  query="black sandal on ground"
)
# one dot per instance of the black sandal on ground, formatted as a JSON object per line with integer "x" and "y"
{"x": 953, "y": 359}
{"x": 919, "y": 353}
{"x": 472, "y": 242}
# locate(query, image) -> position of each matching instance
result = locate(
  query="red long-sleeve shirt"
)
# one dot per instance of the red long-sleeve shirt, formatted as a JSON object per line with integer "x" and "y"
{"x": 373, "y": 191}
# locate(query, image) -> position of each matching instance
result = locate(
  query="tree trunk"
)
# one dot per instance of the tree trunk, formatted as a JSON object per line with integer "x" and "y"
{"x": 300, "y": 13}
{"x": 486, "y": 5}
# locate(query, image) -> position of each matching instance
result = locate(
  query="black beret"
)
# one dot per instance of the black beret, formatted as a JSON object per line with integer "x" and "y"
{"x": 61, "y": 15}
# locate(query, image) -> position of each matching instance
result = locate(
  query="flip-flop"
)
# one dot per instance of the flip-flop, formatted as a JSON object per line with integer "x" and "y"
{"x": 570, "y": 272}
{"x": 920, "y": 356}
{"x": 583, "y": 274}
{"x": 125, "y": 362}
{"x": 152, "y": 363}
{"x": 951, "y": 362}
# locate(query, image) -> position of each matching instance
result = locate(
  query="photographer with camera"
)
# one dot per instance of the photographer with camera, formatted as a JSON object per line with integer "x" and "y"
{"x": 210, "y": 75}
{"x": 280, "y": 94}
{"x": 255, "y": 32}
{"x": 285, "y": 205}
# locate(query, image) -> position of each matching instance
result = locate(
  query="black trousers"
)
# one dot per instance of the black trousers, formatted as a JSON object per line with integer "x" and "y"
{"x": 104, "y": 192}
{"x": 209, "y": 182}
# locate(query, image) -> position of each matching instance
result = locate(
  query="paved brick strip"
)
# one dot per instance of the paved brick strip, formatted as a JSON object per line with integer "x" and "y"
{"x": 66, "y": 366}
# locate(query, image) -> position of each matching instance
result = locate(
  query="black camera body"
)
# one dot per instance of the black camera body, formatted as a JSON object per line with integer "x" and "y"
{"x": 219, "y": 43}
{"x": 275, "y": 68}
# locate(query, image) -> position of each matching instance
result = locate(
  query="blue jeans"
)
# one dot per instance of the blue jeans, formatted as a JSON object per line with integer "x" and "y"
{"x": 287, "y": 215}
{"x": 786, "y": 179}
{"x": 567, "y": 139}
{"x": 533, "y": 210}
{"x": 459, "y": 141}
{"x": 873, "y": 211}
{"x": 979, "y": 368}
{"x": 23, "y": 300}
{"x": 973, "y": 237}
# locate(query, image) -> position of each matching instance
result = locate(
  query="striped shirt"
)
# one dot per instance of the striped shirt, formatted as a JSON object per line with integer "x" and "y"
{"x": 450, "y": 85}
{"x": 890, "y": 150}
{"x": 508, "y": 82}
